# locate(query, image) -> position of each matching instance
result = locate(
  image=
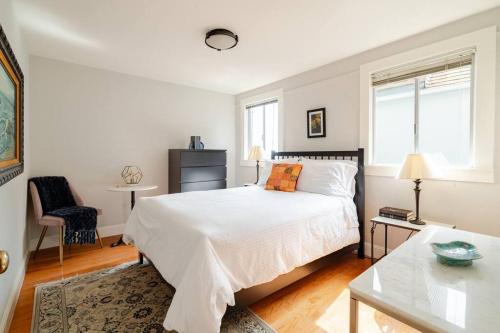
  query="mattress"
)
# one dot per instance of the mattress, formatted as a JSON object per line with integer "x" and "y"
{"x": 211, "y": 244}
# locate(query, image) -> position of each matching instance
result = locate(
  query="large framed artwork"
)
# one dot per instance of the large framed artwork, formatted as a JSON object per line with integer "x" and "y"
{"x": 316, "y": 123}
{"x": 11, "y": 113}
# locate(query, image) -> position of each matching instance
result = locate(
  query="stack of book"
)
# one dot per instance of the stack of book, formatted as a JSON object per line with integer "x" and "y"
{"x": 397, "y": 213}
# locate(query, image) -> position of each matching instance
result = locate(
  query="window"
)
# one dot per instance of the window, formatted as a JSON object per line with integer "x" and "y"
{"x": 450, "y": 110}
{"x": 261, "y": 120}
{"x": 424, "y": 107}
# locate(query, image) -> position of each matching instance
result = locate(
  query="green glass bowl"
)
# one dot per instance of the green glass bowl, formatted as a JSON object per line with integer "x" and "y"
{"x": 455, "y": 253}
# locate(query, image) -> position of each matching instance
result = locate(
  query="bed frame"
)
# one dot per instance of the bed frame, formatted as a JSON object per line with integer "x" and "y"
{"x": 251, "y": 295}
{"x": 248, "y": 296}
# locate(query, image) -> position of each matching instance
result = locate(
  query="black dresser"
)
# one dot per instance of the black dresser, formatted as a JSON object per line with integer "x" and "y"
{"x": 196, "y": 170}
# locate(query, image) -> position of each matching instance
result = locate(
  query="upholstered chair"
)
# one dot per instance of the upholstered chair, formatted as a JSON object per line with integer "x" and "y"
{"x": 47, "y": 221}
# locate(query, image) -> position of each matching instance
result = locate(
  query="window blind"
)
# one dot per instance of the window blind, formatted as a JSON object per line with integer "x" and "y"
{"x": 446, "y": 69}
{"x": 261, "y": 104}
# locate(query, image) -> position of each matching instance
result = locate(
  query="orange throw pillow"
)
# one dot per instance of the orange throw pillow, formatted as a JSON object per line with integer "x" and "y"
{"x": 284, "y": 177}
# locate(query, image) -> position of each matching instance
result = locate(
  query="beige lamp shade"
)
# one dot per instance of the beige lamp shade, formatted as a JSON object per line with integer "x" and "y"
{"x": 418, "y": 166}
{"x": 256, "y": 153}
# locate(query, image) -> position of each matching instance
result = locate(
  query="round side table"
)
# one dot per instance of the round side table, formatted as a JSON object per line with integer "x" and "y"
{"x": 132, "y": 189}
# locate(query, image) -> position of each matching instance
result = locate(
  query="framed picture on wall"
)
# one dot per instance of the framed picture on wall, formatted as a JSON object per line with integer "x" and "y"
{"x": 316, "y": 123}
{"x": 11, "y": 113}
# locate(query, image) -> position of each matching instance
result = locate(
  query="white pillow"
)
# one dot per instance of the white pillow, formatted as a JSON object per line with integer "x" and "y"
{"x": 328, "y": 177}
{"x": 268, "y": 166}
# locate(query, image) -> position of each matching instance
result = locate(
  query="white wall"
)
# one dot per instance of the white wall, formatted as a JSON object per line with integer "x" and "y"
{"x": 471, "y": 206}
{"x": 13, "y": 229}
{"x": 90, "y": 123}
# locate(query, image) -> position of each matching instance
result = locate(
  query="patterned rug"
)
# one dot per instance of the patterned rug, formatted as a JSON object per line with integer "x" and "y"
{"x": 127, "y": 298}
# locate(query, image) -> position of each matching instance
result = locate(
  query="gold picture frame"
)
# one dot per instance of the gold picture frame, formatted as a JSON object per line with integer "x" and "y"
{"x": 11, "y": 113}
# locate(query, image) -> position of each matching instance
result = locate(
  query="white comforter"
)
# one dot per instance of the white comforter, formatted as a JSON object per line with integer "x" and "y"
{"x": 210, "y": 244}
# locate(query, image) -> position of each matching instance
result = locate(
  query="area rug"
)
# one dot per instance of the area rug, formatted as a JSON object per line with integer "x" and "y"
{"x": 127, "y": 298}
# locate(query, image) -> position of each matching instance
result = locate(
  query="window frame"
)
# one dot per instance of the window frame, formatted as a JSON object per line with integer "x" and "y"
{"x": 249, "y": 120}
{"x": 416, "y": 114}
{"x": 254, "y": 100}
{"x": 483, "y": 101}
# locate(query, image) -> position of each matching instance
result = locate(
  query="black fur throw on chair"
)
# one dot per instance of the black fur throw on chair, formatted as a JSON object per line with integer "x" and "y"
{"x": 57, "y": 200}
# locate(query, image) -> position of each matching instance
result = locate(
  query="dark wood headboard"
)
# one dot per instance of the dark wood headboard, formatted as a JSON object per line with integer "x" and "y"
{"x": 359, "y": 197}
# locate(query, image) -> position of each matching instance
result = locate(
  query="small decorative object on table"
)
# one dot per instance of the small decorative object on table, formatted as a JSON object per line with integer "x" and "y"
{"x": 256, "y": 154}
{"x": 455, "y": 253}
{"x": 316, "y": 120}
{"x": 396, "y": 213}
{"x": 196, "y": 143}
{"x": 417, "y": 167}
{"x": 131, "y": 175}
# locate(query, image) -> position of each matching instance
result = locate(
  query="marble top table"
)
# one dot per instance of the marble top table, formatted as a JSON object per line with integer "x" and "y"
{"x": 132, "y": 189}
{"x": 408, "y": 225}
{"x": 411, "y": 286}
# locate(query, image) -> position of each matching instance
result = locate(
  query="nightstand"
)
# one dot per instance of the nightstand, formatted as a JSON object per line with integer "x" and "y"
{"x": 387, "y": 222}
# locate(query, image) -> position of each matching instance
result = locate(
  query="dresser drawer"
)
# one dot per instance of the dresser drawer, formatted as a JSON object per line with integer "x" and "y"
{"x": 202, "y": 174}
{"x": 203, "y": 186}
{"x": 200, "y": 158}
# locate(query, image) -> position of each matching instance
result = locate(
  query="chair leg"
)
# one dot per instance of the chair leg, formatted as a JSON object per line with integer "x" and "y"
{"x": 42, "y": 235}
{"x": 98, "y": 237}
{"x": 61, "y": 244}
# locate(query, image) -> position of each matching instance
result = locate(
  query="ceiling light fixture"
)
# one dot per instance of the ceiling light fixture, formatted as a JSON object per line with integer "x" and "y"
{"x": 221, "y": 39}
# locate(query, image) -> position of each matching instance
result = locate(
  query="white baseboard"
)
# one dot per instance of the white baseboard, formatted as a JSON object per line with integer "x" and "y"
{"x": 13, "y": 297}
{"x": 53, "y": 240}
{"x": 378, "y": 251}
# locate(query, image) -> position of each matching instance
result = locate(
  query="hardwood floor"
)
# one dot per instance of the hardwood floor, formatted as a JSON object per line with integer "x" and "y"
{"x": 300, "y": 307}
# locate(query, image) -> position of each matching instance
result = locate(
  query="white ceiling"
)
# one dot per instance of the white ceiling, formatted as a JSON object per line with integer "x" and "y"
{"x": 164, "y": 39}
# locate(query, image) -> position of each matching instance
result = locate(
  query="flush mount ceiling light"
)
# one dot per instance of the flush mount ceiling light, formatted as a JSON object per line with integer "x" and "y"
{"x": 221, "y": 39}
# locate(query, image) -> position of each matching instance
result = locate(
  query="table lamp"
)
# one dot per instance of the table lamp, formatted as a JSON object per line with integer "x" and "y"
{"x": 256, "y": 154}
{"x": 417, "y": 167}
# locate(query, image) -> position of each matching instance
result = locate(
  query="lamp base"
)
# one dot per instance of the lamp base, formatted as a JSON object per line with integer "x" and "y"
{"x": 256, "y": 181}
{"x": 417, "y": 221}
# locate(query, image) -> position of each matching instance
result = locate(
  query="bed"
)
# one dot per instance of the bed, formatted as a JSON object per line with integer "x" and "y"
{"x": 246, "y": 241}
